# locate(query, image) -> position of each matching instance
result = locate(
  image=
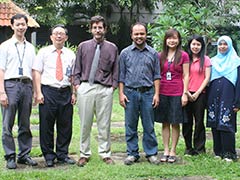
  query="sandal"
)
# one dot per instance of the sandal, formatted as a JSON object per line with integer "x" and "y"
{"x": 172, "y": 159}
{"x": 164, "y": 158}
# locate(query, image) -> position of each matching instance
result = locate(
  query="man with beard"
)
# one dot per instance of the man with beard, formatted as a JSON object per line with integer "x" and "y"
{"x": 95, "y": 78}
{"x": 139, "y": 74}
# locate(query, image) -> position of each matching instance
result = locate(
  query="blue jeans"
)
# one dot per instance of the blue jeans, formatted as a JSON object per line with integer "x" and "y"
{"x": 140, "y": 104}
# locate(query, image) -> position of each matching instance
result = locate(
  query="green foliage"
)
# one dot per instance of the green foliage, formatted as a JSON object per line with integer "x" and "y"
{"x": 188, "y": 19}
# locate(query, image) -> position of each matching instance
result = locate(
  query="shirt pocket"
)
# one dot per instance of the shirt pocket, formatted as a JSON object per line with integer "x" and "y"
{"x": 105, "y": 64}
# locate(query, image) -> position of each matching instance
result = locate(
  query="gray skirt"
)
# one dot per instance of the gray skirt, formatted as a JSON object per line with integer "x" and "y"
{"x": 170, "y": 110}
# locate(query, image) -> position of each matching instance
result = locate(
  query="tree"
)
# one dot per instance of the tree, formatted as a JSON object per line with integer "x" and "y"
{"x": 194, "y": 17}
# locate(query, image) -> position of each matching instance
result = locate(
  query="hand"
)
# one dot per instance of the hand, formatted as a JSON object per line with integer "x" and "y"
{"x": 39, "y": 98}
{"x": 122, "y": 100}
{"x": 74, "y": 99}
{"x": 235, "y": 110}
{"x": 195, "y": 96}
{"x": 155, "y": 101}
{"x": 4, "y": 99}
{"x": 184, "y": 99}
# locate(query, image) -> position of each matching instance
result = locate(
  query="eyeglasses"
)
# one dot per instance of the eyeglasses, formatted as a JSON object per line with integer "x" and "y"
{"x": 59, "y": 33}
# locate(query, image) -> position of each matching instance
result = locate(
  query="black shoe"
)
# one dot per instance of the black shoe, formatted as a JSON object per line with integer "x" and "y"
{"x": 67, "y": 160}
{"x": 27, "y": 161}
{"x": 11, "y": 164}
{"x": 49, "y": 163}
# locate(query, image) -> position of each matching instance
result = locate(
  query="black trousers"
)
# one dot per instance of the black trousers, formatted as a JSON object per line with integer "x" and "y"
{"x": 195, "y": 114}
{"x": 224, "y": 143}
{"x": 57, "y": 108}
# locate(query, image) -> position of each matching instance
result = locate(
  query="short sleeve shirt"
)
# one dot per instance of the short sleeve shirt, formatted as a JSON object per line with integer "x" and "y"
{"x": 15, "y": 55}
{"x": 196, "y": 77}
{"x": 45, "y": 63}
{"x": 173, "y": 87}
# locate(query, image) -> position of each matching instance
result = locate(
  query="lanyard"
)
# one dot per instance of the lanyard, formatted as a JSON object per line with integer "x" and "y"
{"x": 170, "y": 62}
{"x": 19, "y": 58}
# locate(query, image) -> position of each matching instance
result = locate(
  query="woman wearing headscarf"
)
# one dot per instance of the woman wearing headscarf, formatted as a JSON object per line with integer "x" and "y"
{"x": 224, "y": 99}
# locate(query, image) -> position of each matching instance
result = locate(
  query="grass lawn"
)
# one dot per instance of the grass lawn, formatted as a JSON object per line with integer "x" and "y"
{"x": 198, "y": 167}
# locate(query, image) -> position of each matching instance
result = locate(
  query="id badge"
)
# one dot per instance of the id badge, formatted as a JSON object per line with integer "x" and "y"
{"x": 169, "y": 76}
{"x": 68, "y": 71}
{"x": 20, "y": 71}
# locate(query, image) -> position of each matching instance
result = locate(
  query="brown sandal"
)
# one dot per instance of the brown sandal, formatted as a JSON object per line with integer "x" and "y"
{"x": 164, "y": 158}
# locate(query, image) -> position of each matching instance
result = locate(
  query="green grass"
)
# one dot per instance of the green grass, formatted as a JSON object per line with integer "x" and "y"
{"x": 205, "y": 166}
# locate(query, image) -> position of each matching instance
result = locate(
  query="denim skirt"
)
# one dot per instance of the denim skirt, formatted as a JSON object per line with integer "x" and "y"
{"x": 170, "y": 110}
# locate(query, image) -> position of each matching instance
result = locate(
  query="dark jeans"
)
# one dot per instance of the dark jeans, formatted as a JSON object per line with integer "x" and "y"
{"x": 195, "y": 115}
{"x": 57, "y": 108}
{"x": 140, "y": 104}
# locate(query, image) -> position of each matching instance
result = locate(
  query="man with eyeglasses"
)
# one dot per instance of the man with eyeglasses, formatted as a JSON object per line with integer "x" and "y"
{"x": 52, "y": 73}
{"x": 16, "y": 59}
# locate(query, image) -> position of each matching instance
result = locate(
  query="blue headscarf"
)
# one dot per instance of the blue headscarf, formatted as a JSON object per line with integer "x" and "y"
{"x": 225, "y": 65}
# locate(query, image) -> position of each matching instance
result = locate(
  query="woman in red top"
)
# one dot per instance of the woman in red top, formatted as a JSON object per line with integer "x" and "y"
{"x": 200, "y": 69}
{"x": 174, "y": 82}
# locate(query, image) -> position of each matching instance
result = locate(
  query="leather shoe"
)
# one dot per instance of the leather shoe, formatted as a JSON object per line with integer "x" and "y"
{"x": 11, "y": 164}
{"x": 27, "y": 161}
{"x": 82, "y": 161}
{"x": 108, "y": 160}
{"x": 49, "y": 163}
{"x": 67, "y": 160}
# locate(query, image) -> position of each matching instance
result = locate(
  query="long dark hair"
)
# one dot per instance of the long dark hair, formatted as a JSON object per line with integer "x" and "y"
{"x": 201, "y": 53}
{"x": 178, "y": 55}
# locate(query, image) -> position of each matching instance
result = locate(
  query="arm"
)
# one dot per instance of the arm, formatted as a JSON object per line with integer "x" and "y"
{"x": 236, "y": 103}
{"x": 122, "y": 97}
{"x": 77, "y": 69}
{"x": 3, "y": 95}
{"x": 39, "y": 99}
{"x": 115, "y": 71}
{"x": 156, "y": 93}
{"x": 185, "y": 83}
{"x": 203, "y": 85}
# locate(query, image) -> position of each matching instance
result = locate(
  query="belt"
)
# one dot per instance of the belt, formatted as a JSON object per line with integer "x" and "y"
{"x": 142, "y": 89}
{"x": 61, "y": 89}
{"x": 22, "y": 80}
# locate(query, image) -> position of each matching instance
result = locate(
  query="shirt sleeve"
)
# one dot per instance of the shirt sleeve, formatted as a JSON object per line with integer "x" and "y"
{"x": 77, "y": 67}
{"x": 185, "y": 57}
{"x": 122, "y": 67}
{"x": 38, "y": 62}
{"x": 3, "y": 57}
{"x": 207, "y": 62}
{"x": 237, "y": 91}
{"x": 156, "y": 66}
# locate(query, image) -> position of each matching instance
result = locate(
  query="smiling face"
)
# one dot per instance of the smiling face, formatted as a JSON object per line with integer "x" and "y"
{"x": 195, "y": 47}
{"x": 139, "y": 35}
{"x": 222, "y": 47}
{"x": 58, "y": 37}
{"x": 173, "y": 41}
{"x": 98, "y": 31}
{"x": 19, "y": 27}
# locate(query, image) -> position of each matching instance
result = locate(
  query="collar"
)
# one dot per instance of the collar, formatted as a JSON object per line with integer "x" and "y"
{"x": 54, "y": 49}
{"x": 133, "y": 47}
{"x": 15, "y": 40}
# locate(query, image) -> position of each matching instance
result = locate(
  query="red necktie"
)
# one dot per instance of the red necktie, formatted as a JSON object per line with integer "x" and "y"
{"x": 59, "y": 70}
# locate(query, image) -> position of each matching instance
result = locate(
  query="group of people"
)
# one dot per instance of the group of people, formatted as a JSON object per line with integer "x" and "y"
{"x": 167, "y": 87}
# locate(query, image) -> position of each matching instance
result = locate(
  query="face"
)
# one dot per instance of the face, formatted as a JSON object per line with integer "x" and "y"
{"x": 139, "y": 35}
{"x": 195, "y": 46}
{"x": 58, "y": 37}
{"x": 98, "y": 31}
{"x": 19, "y": 27}
{"x": 172, "y": 41}
{"x": 222, "y": 47}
